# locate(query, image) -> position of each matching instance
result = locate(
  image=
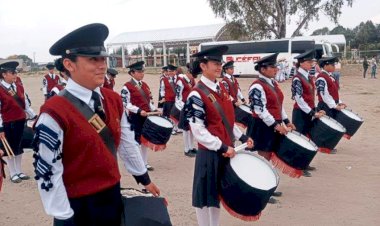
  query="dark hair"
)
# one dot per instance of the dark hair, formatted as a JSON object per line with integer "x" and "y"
{"x": 73, "y": 58}
{"x": 196, "y": 67}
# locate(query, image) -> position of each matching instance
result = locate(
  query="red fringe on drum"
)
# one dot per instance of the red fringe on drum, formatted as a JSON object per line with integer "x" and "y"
{"x": 241, "y": 217}
{"x": 174, "y": 119}
{"x": 347, "y": 136}
{"x": 240, "y": 125}
{"x": 285, "y": 168}
{"x": 154, "y": 147}
{"x": 325, "y": 150}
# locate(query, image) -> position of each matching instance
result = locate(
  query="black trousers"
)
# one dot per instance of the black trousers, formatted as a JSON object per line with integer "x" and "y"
{"x": 100, "y": 209}
{"x": 14, "y": 132}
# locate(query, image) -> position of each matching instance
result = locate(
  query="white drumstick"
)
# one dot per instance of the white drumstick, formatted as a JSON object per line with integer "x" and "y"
{"x": 241, "y": 147}
{"x": 153, "y": 113}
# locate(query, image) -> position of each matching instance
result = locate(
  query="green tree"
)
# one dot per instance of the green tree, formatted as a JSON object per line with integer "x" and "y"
{"x": 264, "y": 19}
{"x": 25, "y": 58}
{"x": 321, "y": 31}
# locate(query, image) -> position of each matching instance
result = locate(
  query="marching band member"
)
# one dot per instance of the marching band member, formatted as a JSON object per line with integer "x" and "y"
{"x": 109, "y": 79}
{"x": 63, "y": 81}
{"x": 49, "y": 81}
{"x": 213, "y": 130}
{"x": 136, "y": 98}
{"x": 231, "y": 84}
{"x": 167, "y": 92}
{"x": 184, "y": 85}
{"x": 266, "y": 100}
{"x": 303, "y": 92}
{"x": 163, "y": 74}
{"x": 78, "y": 134}
{"x": 15, "y": 109}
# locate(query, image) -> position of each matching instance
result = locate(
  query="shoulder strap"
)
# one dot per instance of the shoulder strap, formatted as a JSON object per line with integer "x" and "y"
{"x": 15, "y": 96}
{"x": 93, "y": 118}
{"x": 141, "y": 91}
{"x": 212, "y": 98}
{"x": 274, "y": 91}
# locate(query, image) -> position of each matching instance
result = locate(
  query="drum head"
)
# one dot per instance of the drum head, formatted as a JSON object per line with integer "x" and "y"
{"x": 352, "y": 115}
{"x": 161, "y": 121}
{"x": 301, "y": 140}
{"x": 254, "y": 171}
{"x": 332, "y": 123}
{"x": 245, "y": 108}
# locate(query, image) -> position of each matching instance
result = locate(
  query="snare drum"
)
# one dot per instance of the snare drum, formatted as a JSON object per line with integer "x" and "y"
{"x": 247, "y": 184}
{"x": 143, "y": 209}
{"x": 175, "y": 114}
{"x": 242, "y": 115}
{"x": 326, "y": 133}
{"x": 295, "y": 153}
{"x": 350, "y": 121}
{"x": 156, "y": 132}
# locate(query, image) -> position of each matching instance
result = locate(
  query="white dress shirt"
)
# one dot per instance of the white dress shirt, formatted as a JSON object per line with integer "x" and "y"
{"x": 55, "y": 201}
{"x": 179, "y": 91}
{"x": 233, "y": 80}
{"x": 45, "y": 83}
{"x": 262, "y": 111}
{"x": 198, "y": 127}
{"x": 326, "y": 96}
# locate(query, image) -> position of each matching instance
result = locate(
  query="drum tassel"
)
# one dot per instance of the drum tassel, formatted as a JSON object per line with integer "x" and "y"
{"x": 324, "y": 150}
{"x": 154, "y": 147}
{"x": 241, "y": 125}
{"x": 347, "y": 136}
{"x": 239, "y": 216}
{"x": 173, "y": 119}
{"x": 285, "y": 168}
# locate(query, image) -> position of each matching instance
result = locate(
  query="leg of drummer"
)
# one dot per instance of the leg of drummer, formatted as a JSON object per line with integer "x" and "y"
{"x": 202, "y": 216}
{"x": 188, "y": 144}
{"x": 144, "y": 155}
{"x": 214, "y": 214}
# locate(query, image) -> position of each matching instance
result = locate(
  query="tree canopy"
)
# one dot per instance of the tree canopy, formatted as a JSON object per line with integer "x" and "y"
{"x": 257, "y": 19}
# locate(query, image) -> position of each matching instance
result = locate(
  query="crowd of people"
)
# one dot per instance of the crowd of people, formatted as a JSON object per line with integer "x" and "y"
{"x": 85, "y": 124}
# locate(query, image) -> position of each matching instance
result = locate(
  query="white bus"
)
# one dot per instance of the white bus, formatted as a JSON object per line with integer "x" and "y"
{"x": 246, "y": 53}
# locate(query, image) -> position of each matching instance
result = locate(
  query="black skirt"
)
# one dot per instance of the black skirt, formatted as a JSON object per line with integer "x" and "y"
{"x": 167, "y": 108}
{"x": 137, "y": 122}
{"x": 13, "y": 133}
{"x": 206, "y": 184}
{"x": 264, "y": 137}
{"x": 331, "y": 112}
{"x": 302, "y": 121}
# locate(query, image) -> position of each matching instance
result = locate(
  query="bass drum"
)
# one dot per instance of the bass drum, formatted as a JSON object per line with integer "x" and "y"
{"x": 247, "y": 183}
{"x": 350, "y": 121}
{"x": 326, "y": 133}
{"x": 156, "y": 132}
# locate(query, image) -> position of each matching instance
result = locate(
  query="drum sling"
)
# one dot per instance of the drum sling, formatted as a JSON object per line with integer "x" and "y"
{"x": 142, "y": 93}
{"x": 93, "y": 118}
{"x": 219, "y": 109}
{"x": 15, "y": 96}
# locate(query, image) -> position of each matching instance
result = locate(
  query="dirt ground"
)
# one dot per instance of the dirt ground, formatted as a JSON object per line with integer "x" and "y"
{"x": 345, "y": 189}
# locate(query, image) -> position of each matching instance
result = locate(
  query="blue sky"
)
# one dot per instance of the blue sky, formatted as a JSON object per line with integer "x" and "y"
{"x": 28, "y": 27}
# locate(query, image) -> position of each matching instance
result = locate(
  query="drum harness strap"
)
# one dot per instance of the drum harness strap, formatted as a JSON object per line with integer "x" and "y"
{"x": 274, "y": 91}
{"x": 95, "y": 121}
{"x": 13, "y": 94}
{"x": 141, "y": 91}
{"x": 219, "y": 109}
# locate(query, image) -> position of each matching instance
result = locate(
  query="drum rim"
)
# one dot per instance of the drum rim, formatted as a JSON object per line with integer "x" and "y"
{"x": 338, "y": 123}
{"x": 305, "y": 137}
{"x": 277, "y": 176}
{"x": 161, "y": 117}
{"x": 350, "y": 110}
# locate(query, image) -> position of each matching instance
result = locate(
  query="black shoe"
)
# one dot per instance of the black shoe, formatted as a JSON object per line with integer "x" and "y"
{"x": 195, "y": 151}
{"x": 272, "y": 200}
{"x": 277, "y": 194}
{"x": 149, "y": 167}
{"x": 190, "y": 154}
{"x": 334, "y": 151}
{"x": 22, "y": 176}
{"x": 310, "y": 168}
{"x": 306, "y": 173}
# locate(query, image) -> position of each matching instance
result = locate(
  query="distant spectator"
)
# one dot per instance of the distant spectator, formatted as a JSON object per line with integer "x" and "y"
{"x": 336, "y": 73}
{"x": 365, "y": 66}
{"x": 373, "y": 67}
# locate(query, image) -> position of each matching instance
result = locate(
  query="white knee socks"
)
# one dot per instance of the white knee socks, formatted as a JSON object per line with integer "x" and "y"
{"x": 208, "y": 216}
{"x": 144, "y": 154}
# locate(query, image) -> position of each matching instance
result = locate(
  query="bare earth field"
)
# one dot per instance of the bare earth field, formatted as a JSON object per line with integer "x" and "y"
{"x": 345, "y": 189}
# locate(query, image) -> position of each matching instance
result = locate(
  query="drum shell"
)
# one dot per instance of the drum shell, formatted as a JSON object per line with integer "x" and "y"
{"x": 241, "y": 197}
{"x": 156, "y": 134}
{"x": 349, "y": 123}
{"x": 294, "y": 155}
{"x": 242, "y": 116}
{"x": 324, "y": 136}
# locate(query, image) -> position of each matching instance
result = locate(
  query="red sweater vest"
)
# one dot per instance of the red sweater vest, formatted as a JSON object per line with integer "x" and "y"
{"x": 308, "y": 92}
{"x": 10, "y": 109}
{"x": 136, "y": 98}
{"x": 214, "y": 122}
{"x": 108, "y": 84}
{"x": 169, "y": 92}
{"x": 89, "y": 167}
{"x": 274, "y": 99}
{"x": 188, "y": 86}
{"x": 232, "y": 87}
{"x": 331, "y": 86}
{"x": 18, "y": 81}
{"x": 51, "y": 82}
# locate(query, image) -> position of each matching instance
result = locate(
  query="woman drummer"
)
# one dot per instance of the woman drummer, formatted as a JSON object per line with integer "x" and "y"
{"x": 14, "y": 110}
{"x": 62, "y": 81}
{"x": 270, "y": 118}
{"x": 303, "y": 92}
{"x": 213, "y": 130}
{"x": 136, "y": 98}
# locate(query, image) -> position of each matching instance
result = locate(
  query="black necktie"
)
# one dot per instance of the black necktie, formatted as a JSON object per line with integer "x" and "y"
{"x": 98, "y": 105}
{"x": 218, "y": 89}
{"x": 140, "y": 84}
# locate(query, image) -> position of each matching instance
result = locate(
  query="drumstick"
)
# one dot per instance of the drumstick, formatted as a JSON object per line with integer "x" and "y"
{"x": 7, "y": 148}
{"x": 153, "y": 113}
{"x": 241, "y": 147}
